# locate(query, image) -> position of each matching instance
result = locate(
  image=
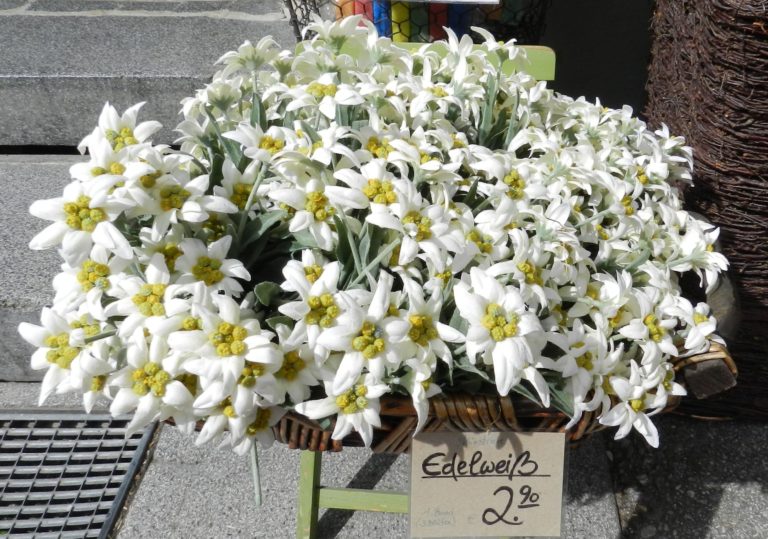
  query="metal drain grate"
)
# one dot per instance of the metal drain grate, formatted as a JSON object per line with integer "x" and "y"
{"x": 65, "y": 474}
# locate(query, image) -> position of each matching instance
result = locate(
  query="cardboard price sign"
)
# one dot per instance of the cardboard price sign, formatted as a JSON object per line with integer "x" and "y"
{"x": 495, "y": 484}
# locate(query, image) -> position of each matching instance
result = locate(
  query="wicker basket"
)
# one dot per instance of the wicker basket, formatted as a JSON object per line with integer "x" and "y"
{"x": 466, "y": 413}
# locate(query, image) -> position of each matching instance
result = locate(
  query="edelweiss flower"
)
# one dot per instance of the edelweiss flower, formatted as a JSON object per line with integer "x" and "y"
{"x": 368, "y": 337}
{"x": 316, "y": 204}
{"x": 120, "y": 130}
{"x": 502, "y": 332}
{"x": 150, "y": 385}
{"x": 224, "y": 345}
{"x": 210, "y": 265}
{"x": 55, "y": 349}
{"x": 146, "y": 302}
{"x": 81, "y": 217}
{"x": 357, "y": 408}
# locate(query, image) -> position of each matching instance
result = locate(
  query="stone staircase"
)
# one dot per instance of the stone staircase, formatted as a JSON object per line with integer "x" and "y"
{"x": 62, "y": 59}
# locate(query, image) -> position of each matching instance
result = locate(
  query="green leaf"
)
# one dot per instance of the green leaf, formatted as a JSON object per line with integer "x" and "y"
{"x": 231, "y": 148}
{"x": 258, "y": 114}
{"x": 309, "y": 130}
{"x": 303, "y": 239}
{"x": 463, "y": 364}
{"x": 470, "y": 198}
{"x": 261, "y": 224}
{"x": 346, "y": 251}
{"x": 487, "y": 114}
{"x": 275, "y": 321}
{"x": 458, "y": 322}
{"x": 512, "y": 127}
{"x": 267, "y": 292}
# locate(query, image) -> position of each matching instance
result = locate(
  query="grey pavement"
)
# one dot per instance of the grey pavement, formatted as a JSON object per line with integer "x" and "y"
{"x": 707, "y": 480}
{"x": 62, "y": 59}
{"x": 206, "y": 491}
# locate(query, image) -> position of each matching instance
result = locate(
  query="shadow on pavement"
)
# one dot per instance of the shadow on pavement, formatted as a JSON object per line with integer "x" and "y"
{"x": 333, "y": 520}
{"x": 707, "y": 479}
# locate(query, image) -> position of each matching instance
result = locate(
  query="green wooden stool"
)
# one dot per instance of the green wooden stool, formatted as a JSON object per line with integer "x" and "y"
{"x": 312, "y": 495}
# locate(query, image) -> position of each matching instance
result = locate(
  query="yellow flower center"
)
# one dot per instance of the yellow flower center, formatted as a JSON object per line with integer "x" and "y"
{"x": 656, "y": 331}
{"x": 422, "y": 329}
{"x": 627, "y": 203}
{"x": 353, "y": 400}
{"x": 380, "y": 150}
{"x": 92, "y": 274}
{"x": 250, "y": 373}
{"x": 318, "y": 90}
{"x": 228, "y": 339}
{"x": 444, "y": 276}
{"x": 208, "y": 270}
{"x": 173, "y": 197}
{"x": 60, "y": 353}
{"x": 531, "y": 272}
{"x": 80, "y": 216}
{"x": 120, "y": 139}
{"x": 313, "y": 272}
{"x": 438, "y": 91}
{"x": 615, "y": 321}
{"x": 585, "y": 361}
{"x": 323, "y": 310}
{"x": 215, "y": 228}
{"x": 171, "y": 253}
{"x": 226, "y": 408}
{"x": 500, "y": 325}
{"x": 317, "y": 205}
{"x": 240, "y": 194}
{"x": 699, "y": 318}
{"x": 368, "y": 341}
{"x": 89, "y": 329}
{"x": 272, "y": 145}
{"x": 98, "y": 382}
{"x": 152, "y": 378}
{"x": 260, "y": 423}
{"x": 148, "y": 181}
{"x": 190, "y": 323}
{"x": 149, "y": 299}
{"x": 380, "y": 192}
{"x": 423, "y": 225}
{"x": 515, "y": 185}
{"x": 292, "y": 366}
{"x": 636, "y": 404}
{"x": 483, "y": 242}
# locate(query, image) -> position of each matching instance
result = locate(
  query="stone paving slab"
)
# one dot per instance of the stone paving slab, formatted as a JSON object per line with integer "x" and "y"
{"x": 62, "y": 59}
{"x": 708, "y": 480}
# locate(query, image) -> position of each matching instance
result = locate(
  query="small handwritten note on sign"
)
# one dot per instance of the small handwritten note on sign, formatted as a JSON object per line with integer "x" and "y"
{"x": 495, "y": 484}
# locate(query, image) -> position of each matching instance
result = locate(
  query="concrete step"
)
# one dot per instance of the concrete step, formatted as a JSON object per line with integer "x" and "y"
{"x": 62, "y": 59}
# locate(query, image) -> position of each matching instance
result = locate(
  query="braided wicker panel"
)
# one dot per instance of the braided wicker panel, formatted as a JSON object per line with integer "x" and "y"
{"x": 708, "y": 81}
{"x": 462, "y": 413}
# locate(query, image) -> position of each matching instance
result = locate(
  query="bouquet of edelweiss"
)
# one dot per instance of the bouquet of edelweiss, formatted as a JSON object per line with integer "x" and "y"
{"x": 350, "y": 220}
